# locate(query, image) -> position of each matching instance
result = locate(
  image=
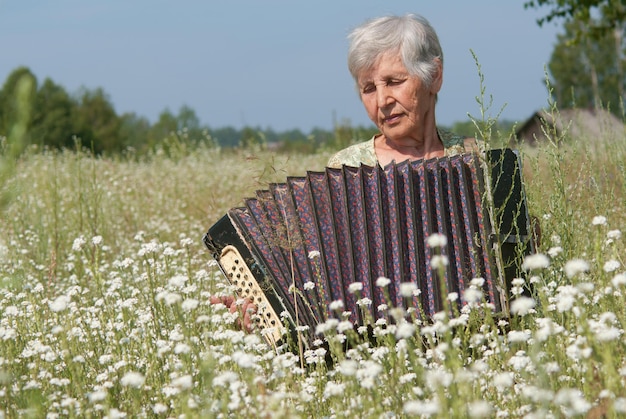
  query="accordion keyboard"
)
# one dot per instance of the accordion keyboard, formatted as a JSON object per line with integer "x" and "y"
{"x": 246, "y": 286}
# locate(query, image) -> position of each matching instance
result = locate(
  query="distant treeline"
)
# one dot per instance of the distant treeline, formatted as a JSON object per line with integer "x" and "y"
{"x": 50, "y": 117}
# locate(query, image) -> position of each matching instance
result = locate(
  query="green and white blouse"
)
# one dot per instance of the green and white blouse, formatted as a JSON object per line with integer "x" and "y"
{"x": 364, "y": 153}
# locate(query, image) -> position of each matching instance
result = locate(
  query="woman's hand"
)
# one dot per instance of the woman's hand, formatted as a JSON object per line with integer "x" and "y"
{"x": 245, "y": 307}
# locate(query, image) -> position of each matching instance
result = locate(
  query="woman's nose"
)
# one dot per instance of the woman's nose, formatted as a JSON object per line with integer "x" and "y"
{"x": 383, "y": 96}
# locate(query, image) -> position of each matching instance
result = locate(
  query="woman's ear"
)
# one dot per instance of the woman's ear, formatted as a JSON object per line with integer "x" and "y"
{"x": 437, "y": 80}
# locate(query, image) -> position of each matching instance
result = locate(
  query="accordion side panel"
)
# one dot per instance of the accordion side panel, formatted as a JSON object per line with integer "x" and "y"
{"x": 393, "y": 238}
{"x": 302, "y": 199}
{"x": 324, "y": 217}
{"x": 456, "y": 246}
{"x": 374, "y": 222}
{"x": 257, "y": 243}
{"x": 267, "y": 229}
{"x": 358, "y": 232}
{"x": 428, "y": 284}
{"x": 484, "y": 228}
{"x": 439, "y": 208}
{"x": 298, "y": 256}
{"x": 270, "y": 224}
{"x": 470, "y": 225}
{"x": 279, "y": 231}
{"x": 409, "y": 208}
{"x": 341, "y": 217}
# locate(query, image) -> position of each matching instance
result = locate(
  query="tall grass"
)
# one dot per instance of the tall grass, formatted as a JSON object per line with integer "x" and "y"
{"x": 104, "y": 286}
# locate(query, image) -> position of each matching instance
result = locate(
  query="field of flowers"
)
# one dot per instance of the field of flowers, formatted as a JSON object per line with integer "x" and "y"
{"x": 105, "y": 282}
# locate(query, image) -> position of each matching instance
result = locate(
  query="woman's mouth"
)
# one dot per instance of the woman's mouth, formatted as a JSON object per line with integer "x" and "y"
{"x": 391, "y": 119}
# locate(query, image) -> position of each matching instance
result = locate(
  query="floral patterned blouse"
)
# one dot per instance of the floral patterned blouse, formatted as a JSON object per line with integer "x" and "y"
{"x": 364, "y": 153}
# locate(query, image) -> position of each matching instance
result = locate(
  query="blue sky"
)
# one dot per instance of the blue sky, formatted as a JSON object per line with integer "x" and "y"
{"x": 268, "y": 63}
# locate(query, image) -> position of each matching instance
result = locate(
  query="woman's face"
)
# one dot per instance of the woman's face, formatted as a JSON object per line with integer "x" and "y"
{"x": 397, "y": 102}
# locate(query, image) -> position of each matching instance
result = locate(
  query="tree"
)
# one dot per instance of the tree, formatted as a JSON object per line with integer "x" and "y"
{"x": 588, "y": 73}
{"x": 134, "y": 131}
{"x": 163, "y": 128}
{"x": 53, "y": 115}
{"x": 598, "y": 18}
{"x": 97, "y": 124}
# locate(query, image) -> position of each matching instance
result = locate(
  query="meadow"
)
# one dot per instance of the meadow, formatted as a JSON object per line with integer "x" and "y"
{"x": 105, "y": 285}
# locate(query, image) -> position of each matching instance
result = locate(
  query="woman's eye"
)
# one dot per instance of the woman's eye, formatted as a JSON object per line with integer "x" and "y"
{"x": 368, "y": 89}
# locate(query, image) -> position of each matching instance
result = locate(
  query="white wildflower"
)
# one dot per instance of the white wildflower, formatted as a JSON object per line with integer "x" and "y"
{"x": 78, "y": 244}
{"x": 619, "y": 280}
{"x": 575, "y": 266}
{"x": 407, "y": 289}
{"x": 97, "y": 396}
{"x": 405, "y": 330}
{"x": 555, "y": 251}
{"x": 132, "y": 379}
{"x": 572, "y": 402}
{"x": 159, "y": 408}
{"x": 59, "y": 304}
{"x": 535, "y": 261}
{"x": 438, "y": 378}
{"x": 344, "y": 326}
{"x": 116, "y": 414}
{"x": 336, "y": 305}
{"x": 472, "y": 295}
{"x": 364, "y": 302}
{"x": 177, "y": 281}
{"x": 619, "y": 405}
{"x": 184, "y": 382}
{"x": 190, "y": 304}
{"x": 566, "y": 298}
{"x": 439, "y": 261}
{"x": 182, "y": 348}
{"x": 244, "y": 360}
{"x": 333, "y": 389}
{"x": 477, "y": 282}
{"x": 314, "y": 254}
{"x": 225, "y": 378}
{"x": 309, "y": 285}
{"x": 436, "y": 240}
{"x": 382, "y": 282}
{"x": 503, "y": 380}
{"x": 347, "y": 367}
{"x": 518, "y": 336}
{"x": 519, "y": 361}
{"x": 522, "y": 305}
{"x": 611, "y": 265}
{"x": 327, "y": 326}
{"x": 96, "y": 240}
{"x": 421, "y": 408}
{"x": 599, "y": 220}
{"x": 480, "y": 409}
{"x": 355, "y": 287}
{"x": 614, "y": 235}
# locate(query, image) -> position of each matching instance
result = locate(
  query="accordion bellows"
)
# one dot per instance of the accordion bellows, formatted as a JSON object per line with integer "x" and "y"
{"x": 301, "y": 245}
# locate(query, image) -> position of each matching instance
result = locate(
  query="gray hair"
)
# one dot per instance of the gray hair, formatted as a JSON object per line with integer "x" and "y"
{"x": 411, "y": 35}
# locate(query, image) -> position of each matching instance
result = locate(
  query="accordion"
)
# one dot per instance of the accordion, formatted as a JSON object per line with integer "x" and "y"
{"x": 327, "y": 237}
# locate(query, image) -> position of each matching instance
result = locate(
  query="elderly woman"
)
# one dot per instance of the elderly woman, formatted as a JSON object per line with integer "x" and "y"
{"x": 397, "y": 64}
